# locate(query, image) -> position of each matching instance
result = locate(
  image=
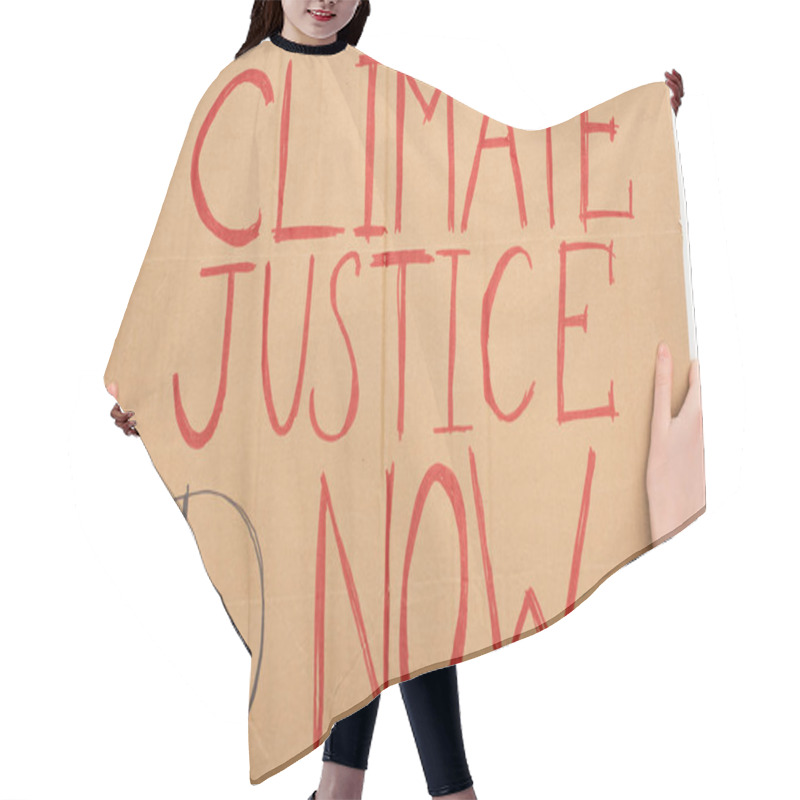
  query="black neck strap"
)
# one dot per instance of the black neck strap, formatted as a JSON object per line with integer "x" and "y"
{"x": 309, "y": 49}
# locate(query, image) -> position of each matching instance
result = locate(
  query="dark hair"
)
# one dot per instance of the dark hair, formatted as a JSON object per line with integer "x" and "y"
{"x": 266, "y": 19}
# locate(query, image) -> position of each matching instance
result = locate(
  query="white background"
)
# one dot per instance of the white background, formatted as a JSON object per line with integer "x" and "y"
{"x": 120, "y": 673}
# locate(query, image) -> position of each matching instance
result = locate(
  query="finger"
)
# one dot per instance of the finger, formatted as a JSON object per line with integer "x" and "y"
{"x": 676, "y": 90}
{"x": 675, "y": 99}
{"x": 120, "y": 415}
{"x": 675, "y": 80}
{"x": 662, "y": 392}
{"x": 691, "y": 405}
{"x": 694, "y": 375}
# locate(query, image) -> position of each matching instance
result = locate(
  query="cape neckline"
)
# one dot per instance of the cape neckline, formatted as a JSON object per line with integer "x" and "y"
{"x": 310, "y": 49}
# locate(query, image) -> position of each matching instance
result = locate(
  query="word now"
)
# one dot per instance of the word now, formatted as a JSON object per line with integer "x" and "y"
{"x": 443, "y": 475}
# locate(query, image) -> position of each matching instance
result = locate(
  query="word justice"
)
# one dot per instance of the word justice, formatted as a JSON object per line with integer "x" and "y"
{"x": 401, "y": 260}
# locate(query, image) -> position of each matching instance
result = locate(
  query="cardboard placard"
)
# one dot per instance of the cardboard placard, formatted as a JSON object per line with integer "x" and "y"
{"x": 394, "y": 360}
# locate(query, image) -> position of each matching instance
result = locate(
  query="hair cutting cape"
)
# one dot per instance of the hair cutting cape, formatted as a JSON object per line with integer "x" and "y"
{"x": 394, "y": 361}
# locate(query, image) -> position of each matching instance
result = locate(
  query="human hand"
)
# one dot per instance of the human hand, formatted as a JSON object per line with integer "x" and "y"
{"x": 122, "y": 419}
{"x": 675, "y": 82}
{"x": 676, "y": 485}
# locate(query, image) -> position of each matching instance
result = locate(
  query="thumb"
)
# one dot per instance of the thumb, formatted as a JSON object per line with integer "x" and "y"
{"x": 662, "y": 395}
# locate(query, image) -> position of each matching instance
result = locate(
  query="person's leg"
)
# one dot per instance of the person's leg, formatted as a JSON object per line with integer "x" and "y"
{"x": 433, "y": 710}
{"x": 345, "y": 756}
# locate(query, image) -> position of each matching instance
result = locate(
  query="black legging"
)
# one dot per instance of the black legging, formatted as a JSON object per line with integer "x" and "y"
{"x": 432, "y": 706}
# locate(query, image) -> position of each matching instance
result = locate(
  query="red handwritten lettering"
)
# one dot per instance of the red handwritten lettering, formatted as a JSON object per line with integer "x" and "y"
{"x": 428, "y": 108}
{"x": 488, "y": 572}
{"x": 198, "y": 439}
{"x": 443, "y": 475}
{"x": 280, "y": 232}
{"x": 585, "y": 213}
{"x": 488, "y": 302}
{"x": 325, "y": 508}
{"x": 580, "y": 533}
{"x": 485, "y": 143}
{"x": 368, "y": 229}
{"x": 353, "y": 405}
{"x": 578, "y": 320}
{"x": 451, "y": 358}
{"x": 235, "y": 236}
{"x": 401, "y": 258}
{"x": 283, "y": 429}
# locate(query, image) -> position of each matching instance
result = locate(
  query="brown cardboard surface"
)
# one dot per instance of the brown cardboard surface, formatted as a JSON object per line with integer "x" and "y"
{"x": 394, "y": 361}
